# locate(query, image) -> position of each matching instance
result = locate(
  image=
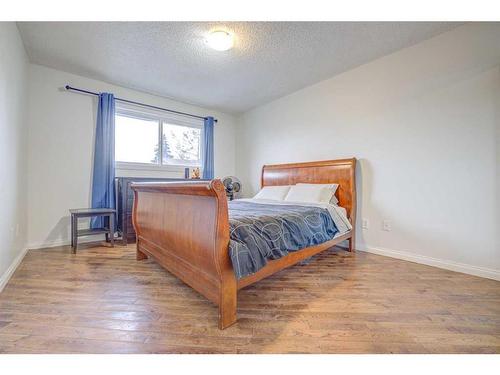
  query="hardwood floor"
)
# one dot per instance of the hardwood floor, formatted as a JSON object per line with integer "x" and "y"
{"x": 102, "y": 300}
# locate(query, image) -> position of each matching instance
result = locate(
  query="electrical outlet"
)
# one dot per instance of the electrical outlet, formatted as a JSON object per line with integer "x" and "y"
{"x": 364, "y": 223}
{"x": 386, "y": 225}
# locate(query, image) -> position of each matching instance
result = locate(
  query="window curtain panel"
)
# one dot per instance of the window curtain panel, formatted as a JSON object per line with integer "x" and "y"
{"x": 208, "y": 149}
{"x": 103, "y": 181}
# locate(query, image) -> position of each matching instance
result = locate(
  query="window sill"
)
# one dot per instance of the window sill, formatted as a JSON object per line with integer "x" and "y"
{"x": 154, "y": 168}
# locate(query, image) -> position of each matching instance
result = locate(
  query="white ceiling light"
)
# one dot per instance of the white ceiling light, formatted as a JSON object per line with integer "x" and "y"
{"x": 220, "y": 40}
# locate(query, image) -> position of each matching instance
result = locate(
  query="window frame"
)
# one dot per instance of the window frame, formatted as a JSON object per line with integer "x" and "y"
{"x": 141, "y": 113}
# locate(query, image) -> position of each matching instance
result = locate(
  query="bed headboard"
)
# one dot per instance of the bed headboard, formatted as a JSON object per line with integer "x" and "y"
{"x": 342, "y": 172}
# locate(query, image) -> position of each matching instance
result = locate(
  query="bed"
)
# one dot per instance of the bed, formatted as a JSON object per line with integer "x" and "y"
{"x": 185, "y": 227}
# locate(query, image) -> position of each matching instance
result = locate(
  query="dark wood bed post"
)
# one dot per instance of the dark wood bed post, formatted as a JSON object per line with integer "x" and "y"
{"x": 228, "y": 289}
{"x": 352, "y": 243}
{"x": 353, "y": 208}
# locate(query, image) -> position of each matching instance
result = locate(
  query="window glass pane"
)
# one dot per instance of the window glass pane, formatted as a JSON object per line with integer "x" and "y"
{"x": 136, "y": 140}
{"x": 181, "y": 144}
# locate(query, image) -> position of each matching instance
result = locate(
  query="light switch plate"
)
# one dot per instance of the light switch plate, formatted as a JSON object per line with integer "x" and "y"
{"x": 386, "y": 225}
{"x": 364, "y": 223}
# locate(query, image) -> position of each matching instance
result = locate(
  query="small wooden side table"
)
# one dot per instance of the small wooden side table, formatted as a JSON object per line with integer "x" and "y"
{"x": 92, "y": 212}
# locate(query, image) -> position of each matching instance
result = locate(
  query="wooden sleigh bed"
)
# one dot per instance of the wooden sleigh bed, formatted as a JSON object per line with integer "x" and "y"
{"x": 184, "y": 226}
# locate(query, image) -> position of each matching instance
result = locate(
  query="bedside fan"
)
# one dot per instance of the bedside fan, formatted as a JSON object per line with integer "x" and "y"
{"x": 233, "y": 187}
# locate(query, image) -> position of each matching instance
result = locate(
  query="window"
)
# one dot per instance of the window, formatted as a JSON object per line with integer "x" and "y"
{"x": 136, "y": 140}
{"x": 150, "y": 139}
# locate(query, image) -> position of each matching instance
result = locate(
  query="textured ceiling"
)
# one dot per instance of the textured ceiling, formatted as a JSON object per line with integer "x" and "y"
{"x": 269, "y": 60}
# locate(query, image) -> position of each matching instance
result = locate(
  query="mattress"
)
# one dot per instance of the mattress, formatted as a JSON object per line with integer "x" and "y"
{"x": 338, "y": 213}
{"x": 263, "y": 230}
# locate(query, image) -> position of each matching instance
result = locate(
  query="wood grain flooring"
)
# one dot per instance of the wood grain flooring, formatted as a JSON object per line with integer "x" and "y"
{"x": 102, "y": 300}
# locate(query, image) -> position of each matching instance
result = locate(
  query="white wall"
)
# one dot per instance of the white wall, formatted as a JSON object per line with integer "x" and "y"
{"x": 61, "y": 140}
{"x": 423, "y": 123}
{"x": 13, "y": 165}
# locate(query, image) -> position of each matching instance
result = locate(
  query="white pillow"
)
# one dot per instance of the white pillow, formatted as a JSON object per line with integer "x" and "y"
{"x": 313, "y": 193}
{"x": 277, "y": 193}
{"x": 332, "y": 187}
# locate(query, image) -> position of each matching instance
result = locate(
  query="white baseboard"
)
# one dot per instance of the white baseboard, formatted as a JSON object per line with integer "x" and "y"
{"x": 4, "y": 279}
{"x": 62, "y": 242}
{"x": 47, "y": 244}
{"x": 488, "y": 273}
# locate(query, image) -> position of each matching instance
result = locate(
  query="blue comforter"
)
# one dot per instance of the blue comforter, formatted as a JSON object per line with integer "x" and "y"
{"x": 261, "y": 232}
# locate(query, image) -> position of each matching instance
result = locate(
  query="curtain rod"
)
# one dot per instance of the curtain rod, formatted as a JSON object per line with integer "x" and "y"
{"x": 69, "y": 88}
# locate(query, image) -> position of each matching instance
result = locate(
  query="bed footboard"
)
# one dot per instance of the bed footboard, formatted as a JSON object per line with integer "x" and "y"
{"x": 185, "y": 227}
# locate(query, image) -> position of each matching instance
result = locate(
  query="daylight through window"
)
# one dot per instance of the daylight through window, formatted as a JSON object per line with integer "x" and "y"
{"x": 148, "y": 138}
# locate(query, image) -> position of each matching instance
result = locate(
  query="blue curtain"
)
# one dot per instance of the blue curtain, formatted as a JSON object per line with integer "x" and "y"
{"x": 103, "y": 182}
{"x": 208, "y": 150}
